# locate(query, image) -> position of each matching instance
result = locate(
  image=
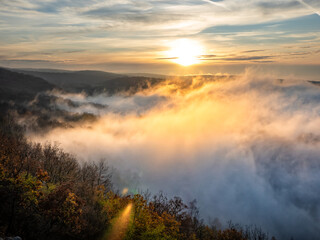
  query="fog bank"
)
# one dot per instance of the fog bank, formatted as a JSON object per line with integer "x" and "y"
{"x": 247, "y": 147}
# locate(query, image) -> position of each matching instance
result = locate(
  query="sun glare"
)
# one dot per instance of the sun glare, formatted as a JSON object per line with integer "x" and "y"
{"x": 185, "y": 52}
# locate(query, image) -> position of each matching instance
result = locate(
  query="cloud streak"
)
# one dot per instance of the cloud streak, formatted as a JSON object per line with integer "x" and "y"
{"x": 310, "y": 7}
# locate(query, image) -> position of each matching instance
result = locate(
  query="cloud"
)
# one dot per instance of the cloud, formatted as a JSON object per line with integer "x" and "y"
{"x": 247, "y": 58}
{"x": 268, "y": 7}
{"x": 104, "y": 104}
{"x": 121, "y": 29}
{"x": 152, "y": 14}
{"x": 310, "y": 6}
{"x": 28, "y": 61}
{"x": 251, "y": 51}
{"x": 237, "y": 58}
{"x": 168, "y": 58}
{"x": 246, "y": 147}
{"x": 217, "y": 3}
{"x": 208, "y": 56}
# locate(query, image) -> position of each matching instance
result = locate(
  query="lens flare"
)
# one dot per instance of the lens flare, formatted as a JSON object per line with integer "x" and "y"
{"x": 121, "y": 224}
{"x": 125, "y": 191}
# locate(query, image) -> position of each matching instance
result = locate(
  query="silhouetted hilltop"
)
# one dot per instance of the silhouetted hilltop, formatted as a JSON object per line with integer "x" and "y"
{"x": 74, "y": 80}
{"x": 93, "y": 81}
{"x": 21, "y": 87}
{"x": 317, "y": 83}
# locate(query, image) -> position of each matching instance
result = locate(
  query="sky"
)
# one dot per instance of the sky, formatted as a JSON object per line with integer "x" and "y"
{"x": 143, "y": 35}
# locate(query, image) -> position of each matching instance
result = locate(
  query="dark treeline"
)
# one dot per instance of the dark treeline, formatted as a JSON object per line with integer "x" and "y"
{"x": 46, "y": 193}
{"x": 27, "y": 94}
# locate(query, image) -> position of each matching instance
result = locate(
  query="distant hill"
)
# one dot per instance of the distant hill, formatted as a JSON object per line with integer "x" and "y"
{"x": 74, "y": 81}
{"x": 93, "y": 81}
{"x": 150, "y": 75}
{"x": 23, "y": 91}
{"x": 21, "y": 87}
{"x": 40, "y": 70}
{"x": 317, "y": 83}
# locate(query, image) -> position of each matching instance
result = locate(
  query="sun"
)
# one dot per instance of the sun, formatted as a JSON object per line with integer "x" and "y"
{"x": 185, "y": 52}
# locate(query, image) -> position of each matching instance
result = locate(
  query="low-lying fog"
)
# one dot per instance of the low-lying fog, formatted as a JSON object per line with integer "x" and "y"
{"x": 247, "y": 148}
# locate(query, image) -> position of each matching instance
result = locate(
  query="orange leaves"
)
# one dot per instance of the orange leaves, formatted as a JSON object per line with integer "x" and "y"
{"x": 63, "y": 207}
{"x": 42, "y": 175}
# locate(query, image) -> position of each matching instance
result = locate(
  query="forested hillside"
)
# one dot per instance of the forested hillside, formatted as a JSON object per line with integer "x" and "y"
{"x": 45, "y": 193}
{"x": 93, "y": 81}
{"x": 21, "y": 87}
{"x": 29, "y": 93}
